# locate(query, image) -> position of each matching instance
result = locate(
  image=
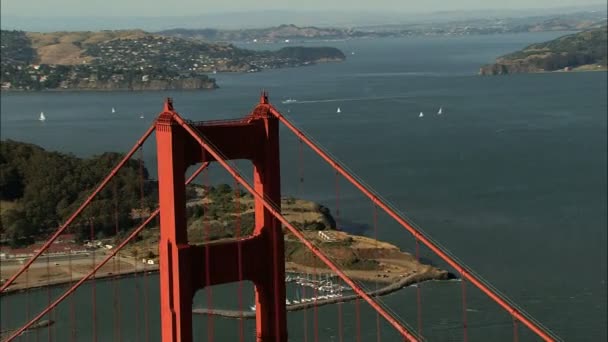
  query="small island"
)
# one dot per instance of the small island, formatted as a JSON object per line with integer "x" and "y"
{"x": 134, "y": 60}
{"x": 583, "y": 51}
{"x": 39, "y": 189}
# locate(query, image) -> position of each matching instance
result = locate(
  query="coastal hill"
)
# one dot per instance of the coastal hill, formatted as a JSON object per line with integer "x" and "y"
{"x": 581, "y": 51}
{"x": 269, "y": 34}
{"x": 437, "y": 26}
{"x": 133, "y": 60}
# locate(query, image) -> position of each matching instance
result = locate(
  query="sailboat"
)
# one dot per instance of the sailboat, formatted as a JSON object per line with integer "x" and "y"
{"x": 338, "y": 110}
{"x": 141, "y": 116}
{"x": 421, "y": 114}
{"x": 440, "y": 111}
{"x": 113, "y": 110}
{"x": 42, "y": 117}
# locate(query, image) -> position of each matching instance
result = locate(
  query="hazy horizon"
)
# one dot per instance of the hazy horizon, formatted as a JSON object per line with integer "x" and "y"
{"x": 69, "y": 15}
{"x": 154, "y": 8}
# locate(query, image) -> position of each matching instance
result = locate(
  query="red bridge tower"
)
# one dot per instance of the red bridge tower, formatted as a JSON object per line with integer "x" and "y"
{"x": 259, "y": 258}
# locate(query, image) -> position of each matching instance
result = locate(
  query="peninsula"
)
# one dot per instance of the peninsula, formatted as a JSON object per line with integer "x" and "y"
{"x": 583, "y": 51}
{"x": 133, "y": 60}
{"x": 34, "y": 198}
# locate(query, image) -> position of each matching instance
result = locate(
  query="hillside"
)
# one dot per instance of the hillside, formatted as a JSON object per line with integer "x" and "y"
{"x": 133, "y": 60}
{"x": 270, "y": 34}
{"x": 39, "y": 189}
{"x": 586, "y": 50}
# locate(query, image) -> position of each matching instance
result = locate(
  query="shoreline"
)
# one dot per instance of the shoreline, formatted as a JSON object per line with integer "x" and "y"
{"x": 430, "y": 273}
{"x": 412, "y": 280}
{"x": 107, "y": 276}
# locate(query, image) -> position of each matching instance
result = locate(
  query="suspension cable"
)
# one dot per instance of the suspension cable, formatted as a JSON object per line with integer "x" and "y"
{"x": 75, "y": 286}
{"x": 276, "y": 213}
{"x": 494, "y": 294}
{"x": 61, "y": 229}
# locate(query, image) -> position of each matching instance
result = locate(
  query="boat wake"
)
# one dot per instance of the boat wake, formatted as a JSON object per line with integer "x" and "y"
{"x": 368, "y": 98}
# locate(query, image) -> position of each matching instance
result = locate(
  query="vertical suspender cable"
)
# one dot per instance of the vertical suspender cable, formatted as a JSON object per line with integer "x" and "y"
{"x": 27, "y": 298}
{"x": 93, "y": 288}
{"x": 515, "y": 330}
{"x": 116, "y": 261}
{"x": 141, "y": 194}
{"x": 136, "y": 284}
{"x": 48, "y": 294}
{"x": 237, "y": 223}
{"x": 465, "y": 335}
{"x": 72, "y": 301}
{"x": 301, "y": 194}
{"x": 314, "y": 299}
{"x": 375, "y": 222}
{"x": 418, "y": 295}
{"x": 207, "y": 239}
{"x": 340, "y": 322}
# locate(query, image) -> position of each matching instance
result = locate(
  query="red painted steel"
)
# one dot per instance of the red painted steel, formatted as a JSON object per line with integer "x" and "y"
{"x": 466, "y": 274}
{"x": 186, "y": 268}
{"x": 270, "y": 208}
{"x": 80, "y": 209}
{"x": 115, "y": 251}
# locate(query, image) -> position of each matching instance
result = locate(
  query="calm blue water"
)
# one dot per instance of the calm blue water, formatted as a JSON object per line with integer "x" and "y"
{"x": 512, "y": 177}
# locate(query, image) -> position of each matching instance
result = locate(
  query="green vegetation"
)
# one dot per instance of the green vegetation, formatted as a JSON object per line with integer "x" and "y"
{"x": 15, "y": 48}
{"x": 45, "y": 187}
{"x": 571, "y": 51}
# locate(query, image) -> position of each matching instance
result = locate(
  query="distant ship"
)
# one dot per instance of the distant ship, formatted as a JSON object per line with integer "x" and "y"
{"x": 42, "y": 117}
{"x": 141, "y": 116}
{"x": 440, "y": 111}
{"x": 421, "y": 114}
{"x": 113, "y": 110}
{"x": 338, "y": 110}
{"x": 289, "y": 101}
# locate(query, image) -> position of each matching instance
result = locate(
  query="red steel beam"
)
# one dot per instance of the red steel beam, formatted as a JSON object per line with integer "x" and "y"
{"x": 211, "y": 150}
{"x": 80, "y": 209}
{"x": 540, "y": 331}
{"x": 100, "y": 265}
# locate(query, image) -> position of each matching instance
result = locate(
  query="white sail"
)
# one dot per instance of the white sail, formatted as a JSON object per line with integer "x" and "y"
{"x": 338, "y": 110}
{"x": 440, "y": 111}
{"x": 42, "y": 117}
{"x": 421, "y": 114}
{"x": 113, "y": 110}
